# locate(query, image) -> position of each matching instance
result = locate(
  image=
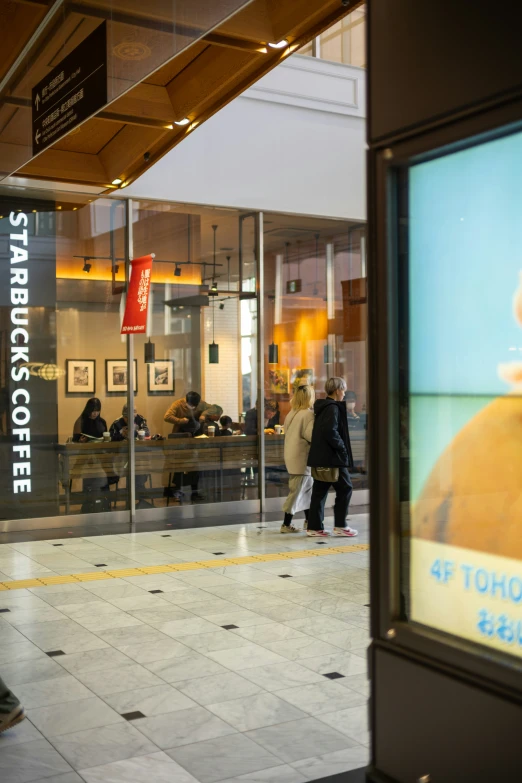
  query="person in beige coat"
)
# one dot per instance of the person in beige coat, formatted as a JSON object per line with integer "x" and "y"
{"x": 298, "y": 435}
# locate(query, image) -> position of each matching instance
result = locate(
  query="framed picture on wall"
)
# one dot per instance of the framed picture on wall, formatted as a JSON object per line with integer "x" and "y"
{"x": 116, "y": 376}
{"x": 160, "y": 377}
{"x": 279, "y": 380}
{"x": 302, "y": 377}
{"x": 80, "y": 376}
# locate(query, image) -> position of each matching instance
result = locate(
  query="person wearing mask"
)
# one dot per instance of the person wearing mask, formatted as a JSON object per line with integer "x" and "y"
{"x": 298, "y": 435}
{"x": 120, "y": 431}
{"x": 190, "y": 406}
{"x": 225, "y": 426}
{"x": 11, "y": 711}
{"x": 89, "y": 425}
{"x": 330, "y": 449}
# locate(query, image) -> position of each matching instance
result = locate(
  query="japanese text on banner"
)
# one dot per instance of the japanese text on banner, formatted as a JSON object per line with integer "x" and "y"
{"x": 135, "y": 316}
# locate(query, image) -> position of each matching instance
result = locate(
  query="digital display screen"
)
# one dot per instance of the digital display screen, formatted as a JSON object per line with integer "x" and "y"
{"x": 464, "y": 407}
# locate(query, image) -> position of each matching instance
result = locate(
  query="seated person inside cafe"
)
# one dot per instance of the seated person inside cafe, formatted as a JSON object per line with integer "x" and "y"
{"x": 271, "y": 417}
{"x": 89, "y": 428}
{"x": 184, "y": 414}
{"x": 120, "y": 431}
{"x": 225, "y": 426}
{"x": 89, "y": 425}
{"x": 190, "y": 406}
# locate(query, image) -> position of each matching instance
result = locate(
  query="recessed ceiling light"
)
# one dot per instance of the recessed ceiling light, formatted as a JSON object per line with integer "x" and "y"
{"x": 279, "y": 44}
{"x": 117, "y": 181}
{"x": 170, "y": 127}
{"x": 184, "y": 121}
{"x": 123, "y": 185}
{"x": 58, "y": 207}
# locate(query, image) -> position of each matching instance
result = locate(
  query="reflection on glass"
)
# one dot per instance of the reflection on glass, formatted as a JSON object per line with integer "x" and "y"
{"x": 315, "y": 313}
{"x": 200, "y": 450}
{"x": 463, "y": 404}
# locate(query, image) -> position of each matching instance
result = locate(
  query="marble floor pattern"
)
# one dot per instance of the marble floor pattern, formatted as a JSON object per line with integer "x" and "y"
{"x": 242, "y": 673}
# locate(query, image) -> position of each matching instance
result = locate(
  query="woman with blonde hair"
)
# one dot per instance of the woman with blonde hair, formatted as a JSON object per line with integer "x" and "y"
{"x": 298, "y": 435}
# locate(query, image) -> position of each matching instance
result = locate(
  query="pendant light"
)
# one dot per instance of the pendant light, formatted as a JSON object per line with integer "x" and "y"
{"x": 150, "y": 352}
{"x": 273, "y": 349}
{"x": 213, "y": 348}
{"x": 316, "y": 263}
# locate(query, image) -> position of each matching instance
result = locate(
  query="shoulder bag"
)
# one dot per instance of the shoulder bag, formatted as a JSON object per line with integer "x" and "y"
{"x": 328, "y": 475}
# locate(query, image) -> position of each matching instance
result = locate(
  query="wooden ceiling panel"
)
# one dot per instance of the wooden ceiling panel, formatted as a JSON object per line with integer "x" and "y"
{"x": 213, "y": 71}
{"x": 196, "y": 83}
{"x": 253, "y": 23}
{"x": 21, "y": 20}
{"x": 126, "y": 148}
{"x": 145, "y": 100}
{"x": 178, "y": 64}
{"x": 91, "y": 137}
{"x": 67, "y": 166}
{"x": 17, "y": 130}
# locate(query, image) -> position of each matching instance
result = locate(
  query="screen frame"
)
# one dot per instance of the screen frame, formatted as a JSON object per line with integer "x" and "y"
{"x": 388, "y": 302}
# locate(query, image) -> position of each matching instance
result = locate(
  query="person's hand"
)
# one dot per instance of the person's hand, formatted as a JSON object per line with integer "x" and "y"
{"x": 184, "y": 421}
{"x": 125, "y": 432}
{"x": 83, "y": 439}
{"x": 202, "y": 418}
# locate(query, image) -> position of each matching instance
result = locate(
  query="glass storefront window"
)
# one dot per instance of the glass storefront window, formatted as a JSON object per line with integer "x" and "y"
{"x": 63, "y": 268}
{"x": 69, "y": 446}
{"x": 315, "y": 328}
{"x": 344, "y": 42}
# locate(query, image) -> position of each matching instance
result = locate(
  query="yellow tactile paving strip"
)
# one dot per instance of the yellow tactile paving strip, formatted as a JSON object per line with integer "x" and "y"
{"x": 94, "y": 576}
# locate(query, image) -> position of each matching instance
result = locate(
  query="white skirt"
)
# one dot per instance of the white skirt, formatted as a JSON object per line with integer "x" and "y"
{"x": 299, "y": 495}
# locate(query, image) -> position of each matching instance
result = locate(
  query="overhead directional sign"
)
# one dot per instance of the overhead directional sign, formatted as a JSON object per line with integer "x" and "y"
{"x": 73, "y": 91}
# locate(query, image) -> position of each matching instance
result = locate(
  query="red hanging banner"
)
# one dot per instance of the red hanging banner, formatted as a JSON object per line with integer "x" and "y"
{"x": 135, "y": 316}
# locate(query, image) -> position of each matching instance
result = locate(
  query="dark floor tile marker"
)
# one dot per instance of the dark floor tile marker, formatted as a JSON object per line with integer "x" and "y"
{"x": 154, "y": 592}
{"x": 229, "y": 627}
{"x": 132, "y": 715}
{"x": 334, "y": 676}
{"x": 285, "y": 576}
{"x": 5, "y": 610}
{"x": 100, "y": 565}
{"x": 55, "y": 653}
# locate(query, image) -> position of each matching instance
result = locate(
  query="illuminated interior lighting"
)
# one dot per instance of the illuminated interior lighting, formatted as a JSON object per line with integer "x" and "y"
{"x": 123, "y": 185}
{"x": 169, "y": 127}
{"x": 58, "y": 207}
{"x": 262, "y": 50}
{"x": 279, "y": 44}
{"x": 34, "y": 210}
{"x": 117, "y": 181}
{"x": 184, "y": 121}
{"x": 74, "y": 209}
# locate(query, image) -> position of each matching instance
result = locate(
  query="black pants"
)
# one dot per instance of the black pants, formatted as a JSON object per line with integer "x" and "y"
{"x": 8, "y": 700}
{"x": 343, "y": 494}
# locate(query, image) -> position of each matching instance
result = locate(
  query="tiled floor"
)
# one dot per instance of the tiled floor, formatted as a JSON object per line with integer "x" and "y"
{"x": 237, "y": 673}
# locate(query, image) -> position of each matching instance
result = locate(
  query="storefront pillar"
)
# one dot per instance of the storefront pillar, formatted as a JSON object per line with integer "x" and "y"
{"x": 131, "y": 473}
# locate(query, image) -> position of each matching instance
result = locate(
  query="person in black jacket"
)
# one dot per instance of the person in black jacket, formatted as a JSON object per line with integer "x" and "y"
{"x": 330, "y": 448}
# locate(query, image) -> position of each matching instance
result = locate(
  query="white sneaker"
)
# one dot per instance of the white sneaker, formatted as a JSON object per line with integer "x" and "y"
{"x": 348, "y": 532}
{"x": 317, "y": 533}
